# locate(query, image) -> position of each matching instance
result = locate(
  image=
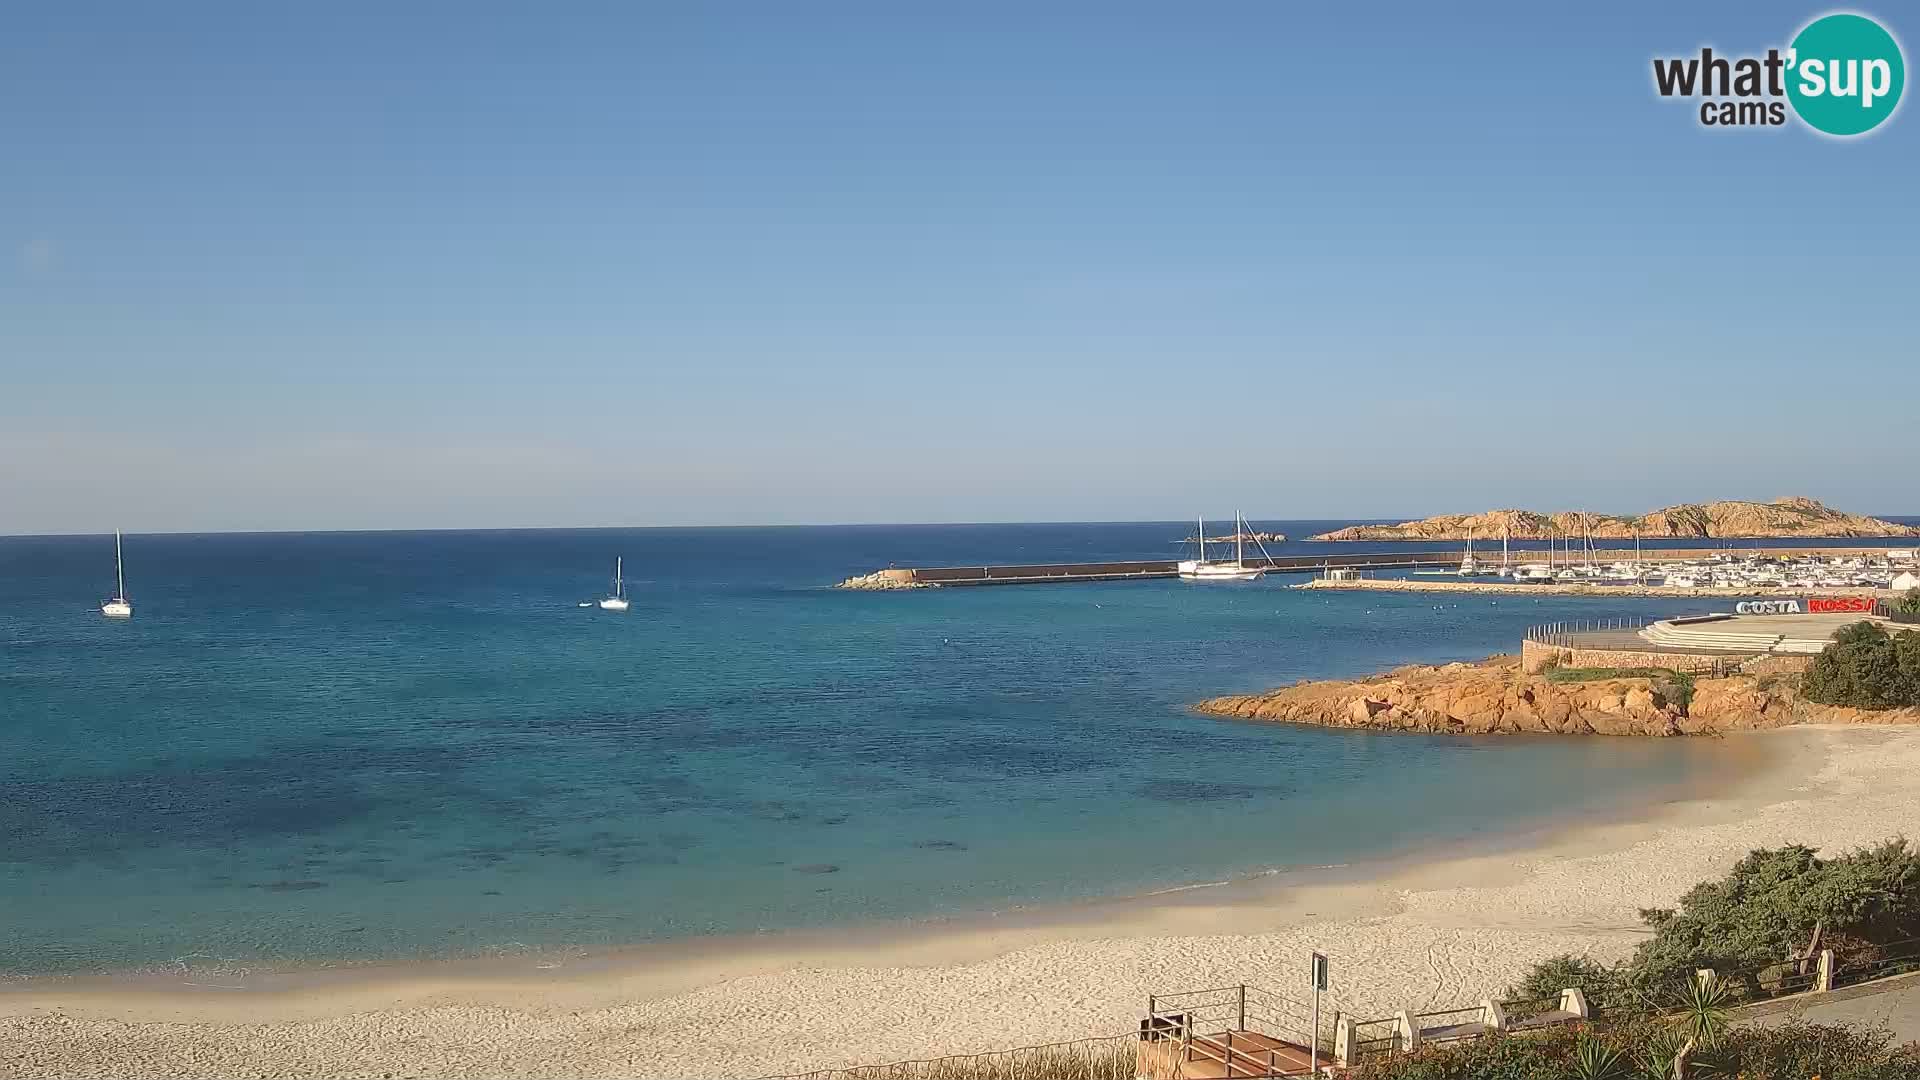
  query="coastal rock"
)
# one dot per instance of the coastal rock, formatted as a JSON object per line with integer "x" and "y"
{"x": 892, "y": 578}
{"x": 1782, "y": 517}
{"x": 1496, "y": 697}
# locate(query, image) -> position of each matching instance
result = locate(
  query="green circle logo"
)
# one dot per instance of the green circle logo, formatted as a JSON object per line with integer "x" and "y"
{"x": 1845, "y": 74}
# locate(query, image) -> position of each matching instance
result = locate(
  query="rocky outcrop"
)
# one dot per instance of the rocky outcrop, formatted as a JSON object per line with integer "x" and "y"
{"x": 1782, "y": 517}
{"x": 1495, "y": 697}
{"x": 885, "y": 579}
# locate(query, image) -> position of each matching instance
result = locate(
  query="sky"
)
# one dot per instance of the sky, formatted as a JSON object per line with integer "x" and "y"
{"x": 461, "y": 265}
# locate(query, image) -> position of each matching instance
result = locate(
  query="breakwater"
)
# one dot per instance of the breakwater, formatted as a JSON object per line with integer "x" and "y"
{"x": 1444, "y": 559}
{"x": 1057, "y": 573}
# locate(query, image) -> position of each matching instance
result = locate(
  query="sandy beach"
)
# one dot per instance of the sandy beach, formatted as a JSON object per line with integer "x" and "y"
{"x": 1418, "y": 934}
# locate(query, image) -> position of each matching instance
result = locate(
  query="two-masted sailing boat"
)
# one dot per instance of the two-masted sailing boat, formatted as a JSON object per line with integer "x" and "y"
{"x": 617, "y": 600}
{"x": 119, "y": 607}
{"x": 1204, "y": 569}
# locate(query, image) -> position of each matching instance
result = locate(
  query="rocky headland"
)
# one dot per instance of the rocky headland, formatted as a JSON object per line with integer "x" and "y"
{"x": 1793, "y": 517}
{"x": 1494, "y": 697}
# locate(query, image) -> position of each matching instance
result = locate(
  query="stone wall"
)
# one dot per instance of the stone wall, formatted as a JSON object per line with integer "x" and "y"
{"x": 1536, "y": 657}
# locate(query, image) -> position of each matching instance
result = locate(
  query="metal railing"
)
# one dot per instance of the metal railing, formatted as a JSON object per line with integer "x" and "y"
{"x": 1879, "y": 962}
{"x": 1246, "y": 1031}
{"x": 1562, "y": 633}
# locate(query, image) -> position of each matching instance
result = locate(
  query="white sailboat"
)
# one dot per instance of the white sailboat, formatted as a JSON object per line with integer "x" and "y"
{"x": 1204, "y": 569}
{"x": 617, "y": 601}
{"x": 119, "y": 607}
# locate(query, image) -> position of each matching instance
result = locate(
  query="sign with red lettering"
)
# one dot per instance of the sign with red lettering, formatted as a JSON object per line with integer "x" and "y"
{"x": 1835, "y": 605}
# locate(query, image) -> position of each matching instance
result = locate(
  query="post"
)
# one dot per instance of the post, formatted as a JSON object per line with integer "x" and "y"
{"x": 1343, "y": 1048}
{"x": 1313, "y": 1037}
{"x": 1408, "y": 1030}
{"x": 1319, "y": 972}
{"x": 1492, "y": 1015}
{"x": 1574, "y": 1000}
{"x": 1242, "y": 1026}
{"x": 1823, "y": 981}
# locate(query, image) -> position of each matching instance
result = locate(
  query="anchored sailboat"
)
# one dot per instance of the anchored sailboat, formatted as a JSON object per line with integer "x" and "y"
{"x": 617, "y": 601}
{"x": 1204, "y": 569}
{"x": 119, "y": 607}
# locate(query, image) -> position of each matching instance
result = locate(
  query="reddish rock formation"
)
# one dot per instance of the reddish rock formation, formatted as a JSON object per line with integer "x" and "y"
{"x": 1781, "y": 517}
{"x": 1495, "y": 697}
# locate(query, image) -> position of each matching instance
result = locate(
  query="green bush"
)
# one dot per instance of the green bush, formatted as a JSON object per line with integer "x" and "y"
{"x": 1547, "y": 1056}
{"x": 1550, "y": 976}
{"x": 1748, "y": 925}
{"x": 1645, "y": 1051}
{"x": 1909, "y": 603}
{"x": 1866, "y": 668}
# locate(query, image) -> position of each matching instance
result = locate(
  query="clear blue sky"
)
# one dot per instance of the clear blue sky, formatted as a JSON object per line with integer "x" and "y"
{"x": 366, "y": 265}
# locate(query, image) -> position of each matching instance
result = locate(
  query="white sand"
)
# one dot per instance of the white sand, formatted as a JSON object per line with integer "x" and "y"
{"x": 1439, "y": 934}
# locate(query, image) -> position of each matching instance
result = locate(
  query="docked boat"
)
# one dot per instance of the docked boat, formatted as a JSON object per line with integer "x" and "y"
{"x": 1205, "y": 569}
{"x": 119, "y": 607}
{"x": 618, "y": 600}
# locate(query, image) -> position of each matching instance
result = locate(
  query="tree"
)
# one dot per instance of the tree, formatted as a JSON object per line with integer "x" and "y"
{"x": 1866, "y": 668}
{"x": 1909, "y": 602}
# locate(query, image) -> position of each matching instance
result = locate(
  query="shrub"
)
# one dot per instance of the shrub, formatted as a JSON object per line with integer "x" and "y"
{"x": 1790, "y": 1052}
{"x": 1556, "y": 973}
{"x": 1909, "y": 603}
{"x": 1750, "y": 924}
{"x": 1866, "y": 668}
{"x": 1767, "y": 908}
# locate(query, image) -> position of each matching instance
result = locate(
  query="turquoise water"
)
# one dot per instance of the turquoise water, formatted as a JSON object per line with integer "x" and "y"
{"x": 338, "y": 747}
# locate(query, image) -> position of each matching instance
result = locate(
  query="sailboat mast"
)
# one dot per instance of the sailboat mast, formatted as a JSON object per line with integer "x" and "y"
{"x": 1200, "y": 537}
{"x": 1239, "y": 538}
{"x": 119, "y": 568}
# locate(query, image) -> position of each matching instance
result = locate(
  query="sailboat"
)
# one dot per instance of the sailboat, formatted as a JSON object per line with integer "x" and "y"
{"x": 618, "y": 600}
{"x": 1204, "y": 569}
{"x": 1470, "y": 566}
{"x": 119, "y": 607}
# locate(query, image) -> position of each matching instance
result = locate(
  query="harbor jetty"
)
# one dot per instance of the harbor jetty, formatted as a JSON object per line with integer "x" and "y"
{"x": 1057, "y": 573}
{"x": 1356, "y": 563}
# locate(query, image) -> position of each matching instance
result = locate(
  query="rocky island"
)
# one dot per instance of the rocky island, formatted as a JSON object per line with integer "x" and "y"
{"x": 1791, "y": 517}
{"x": 1495, "y": 697}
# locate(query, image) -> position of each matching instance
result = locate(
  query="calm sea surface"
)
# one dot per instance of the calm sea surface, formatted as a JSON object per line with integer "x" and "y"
{"x": 344, "y": 746}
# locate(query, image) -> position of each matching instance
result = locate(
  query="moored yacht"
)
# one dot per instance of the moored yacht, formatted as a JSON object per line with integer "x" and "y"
{"x": 1204, "y": 569}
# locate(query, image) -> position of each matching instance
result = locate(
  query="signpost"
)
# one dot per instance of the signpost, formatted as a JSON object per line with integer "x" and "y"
{"x": 1313, "y": 1039}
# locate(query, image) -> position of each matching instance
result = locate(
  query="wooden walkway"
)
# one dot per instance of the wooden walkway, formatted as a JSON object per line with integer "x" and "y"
{"x": 1225, "y": 1055}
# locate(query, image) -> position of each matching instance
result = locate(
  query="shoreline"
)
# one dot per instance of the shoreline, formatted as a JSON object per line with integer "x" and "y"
{"x": 1435, "y": 929}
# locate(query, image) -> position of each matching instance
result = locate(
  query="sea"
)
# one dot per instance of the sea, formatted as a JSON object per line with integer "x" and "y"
{"x": 340, "y": 748}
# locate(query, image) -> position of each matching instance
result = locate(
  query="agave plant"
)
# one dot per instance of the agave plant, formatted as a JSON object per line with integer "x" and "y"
{"x": 1595, "y": 1058}
{"x": 1703, "y": 1015}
